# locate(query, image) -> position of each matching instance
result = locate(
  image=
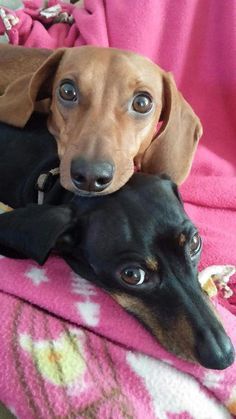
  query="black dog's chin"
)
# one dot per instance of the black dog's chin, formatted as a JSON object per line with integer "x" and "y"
{"x": 216, "y": 353}
{"x": 89, "y": 194}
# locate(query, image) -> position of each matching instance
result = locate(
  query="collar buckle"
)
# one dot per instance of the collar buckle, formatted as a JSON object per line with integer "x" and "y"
{"x": 45, "y": 183}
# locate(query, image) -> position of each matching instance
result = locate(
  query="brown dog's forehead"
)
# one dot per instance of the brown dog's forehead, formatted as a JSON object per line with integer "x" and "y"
{"x": 122, "y": 66}
{"x": 89, "y": 55}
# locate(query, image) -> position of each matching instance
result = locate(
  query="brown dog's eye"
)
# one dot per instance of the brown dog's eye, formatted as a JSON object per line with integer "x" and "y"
{"x": 142, "y": 103}
{"x": 195, "y": 245}
{"x": 133, "y": 276}
{"x": 67, "y": 91}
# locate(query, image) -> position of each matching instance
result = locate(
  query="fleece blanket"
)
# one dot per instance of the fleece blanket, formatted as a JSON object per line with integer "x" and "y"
{"x": 196, "y": 41}
{"x": 65, "y": 353}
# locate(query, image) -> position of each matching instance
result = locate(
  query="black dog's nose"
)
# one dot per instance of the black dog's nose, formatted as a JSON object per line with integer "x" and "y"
{"x": 215, "y": 351}
{"x": 91, "y": 176}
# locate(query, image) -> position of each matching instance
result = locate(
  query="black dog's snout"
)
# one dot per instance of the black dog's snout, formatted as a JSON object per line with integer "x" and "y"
{"x": 215, "y": 350}
{"x": 91, "y": 176}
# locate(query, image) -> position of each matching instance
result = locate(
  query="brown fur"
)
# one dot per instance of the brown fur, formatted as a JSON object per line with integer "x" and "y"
{"x": 152, "y": 264}
{"x": 179, "y": 339}
{"x": 182, "y": 239}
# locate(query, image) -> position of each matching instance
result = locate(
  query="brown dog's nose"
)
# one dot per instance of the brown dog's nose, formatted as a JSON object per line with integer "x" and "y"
{"x": 91, "y": 176}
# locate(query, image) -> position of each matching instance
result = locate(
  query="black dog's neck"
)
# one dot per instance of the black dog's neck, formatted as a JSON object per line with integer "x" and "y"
{"x": 25, "y": 154}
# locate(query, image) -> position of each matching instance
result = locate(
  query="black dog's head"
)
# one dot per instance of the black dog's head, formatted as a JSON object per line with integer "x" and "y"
{"x": 139, "y": 245}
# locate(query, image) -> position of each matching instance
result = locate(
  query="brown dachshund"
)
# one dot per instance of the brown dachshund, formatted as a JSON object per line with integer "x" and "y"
{"x": 104, "y": 106}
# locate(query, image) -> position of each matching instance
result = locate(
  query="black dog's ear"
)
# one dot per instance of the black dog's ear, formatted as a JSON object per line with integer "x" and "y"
{"x": 177, "y": 193}
{"x": 174, "y": 186}
{"x": 32, "y": 232}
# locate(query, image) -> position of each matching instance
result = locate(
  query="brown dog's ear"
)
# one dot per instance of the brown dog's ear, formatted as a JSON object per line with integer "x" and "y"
{"x": 172, "y": 149}
{"x": 21, "y": 97}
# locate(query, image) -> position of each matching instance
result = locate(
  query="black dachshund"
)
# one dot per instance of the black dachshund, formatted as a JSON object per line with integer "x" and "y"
{"x": 138, "y": 243}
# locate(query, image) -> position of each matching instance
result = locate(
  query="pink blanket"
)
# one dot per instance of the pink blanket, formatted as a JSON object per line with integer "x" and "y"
{"x": 65, "y": 353}
{"x": 196, "y": 41}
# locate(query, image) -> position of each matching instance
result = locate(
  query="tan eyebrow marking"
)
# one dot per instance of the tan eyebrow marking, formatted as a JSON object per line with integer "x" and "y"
{"x": 182, "y": 239}
{"x": 179, "y": 339}
{"x": 152, "y": 263}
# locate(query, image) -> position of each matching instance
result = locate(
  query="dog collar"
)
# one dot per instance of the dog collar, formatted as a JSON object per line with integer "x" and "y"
{"x": 45, "y": 183}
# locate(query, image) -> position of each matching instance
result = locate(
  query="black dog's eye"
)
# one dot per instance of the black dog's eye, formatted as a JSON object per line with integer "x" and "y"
{"x": 142, "y": 103}
{"x": 67, "y": 91}
{"x": 195, "y": 245}
{"x": 133, "y": 276}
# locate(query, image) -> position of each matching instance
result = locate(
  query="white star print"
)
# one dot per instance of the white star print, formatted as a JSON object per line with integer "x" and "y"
{"x": 37, "y": 275}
